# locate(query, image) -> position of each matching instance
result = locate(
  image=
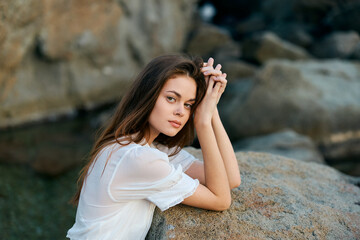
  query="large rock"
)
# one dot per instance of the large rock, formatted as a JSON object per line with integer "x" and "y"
{"x": 279, "y": 198}
{"x": 265, "y": 46}
{"x": 356, "y": 54}
{"x": 313, "y": 12}
{"x": 63, "y": 55}
{"x": 319, "y": 99}
{"x": 340, "y": 145}
{"x": 238, "y": 69}
{"x": 296, "y": 10}
{"x": 337, "y": 45}
{"x": 345, "y": 17}
{"x": 294, "y": 32}
{"x": 285, "y": 143}
{"x": 229, "y": 9}
{"x": 255, "y": 23}
{"x": 206, "y": 40}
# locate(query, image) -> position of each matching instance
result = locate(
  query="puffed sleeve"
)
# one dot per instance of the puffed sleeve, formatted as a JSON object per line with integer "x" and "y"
{"x": 182, "y": 158}
{"x": 145, "y": 173}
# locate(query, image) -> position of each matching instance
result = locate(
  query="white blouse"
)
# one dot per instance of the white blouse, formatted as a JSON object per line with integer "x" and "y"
{"x": 119, "y": 202}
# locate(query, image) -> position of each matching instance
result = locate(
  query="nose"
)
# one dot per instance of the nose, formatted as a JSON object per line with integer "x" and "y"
{"x": 179, "y": 111}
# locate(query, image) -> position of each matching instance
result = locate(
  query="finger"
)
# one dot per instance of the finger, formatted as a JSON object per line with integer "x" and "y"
{"x": 220, "y": 79}
{"x": 220, "y": 92}
{"x": 213, "y": 72}
{"x": 207, "y": 68}
{"x": 218, "y": 67}
{"x": 206, "y": 79}
{"x": 210, "y": 62}
{"x": 210, "y": 85}
{"x": 222, "y": 82}
{"x": 222, "y": 88}
{"x": 216, "y": 89}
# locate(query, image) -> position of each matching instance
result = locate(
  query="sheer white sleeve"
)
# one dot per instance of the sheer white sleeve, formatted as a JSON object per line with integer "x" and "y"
{"x": 183, "y": 158}
{"x": 145, "y": 173}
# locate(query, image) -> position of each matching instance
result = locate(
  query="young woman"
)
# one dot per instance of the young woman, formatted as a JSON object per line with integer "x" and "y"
{"x": 138, "y": 163}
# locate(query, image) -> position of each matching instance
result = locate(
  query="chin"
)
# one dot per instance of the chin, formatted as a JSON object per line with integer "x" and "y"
{"x": 171, "y": 133}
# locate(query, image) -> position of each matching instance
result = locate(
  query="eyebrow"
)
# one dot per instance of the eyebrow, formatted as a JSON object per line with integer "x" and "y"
{"x": 179, "y": 95}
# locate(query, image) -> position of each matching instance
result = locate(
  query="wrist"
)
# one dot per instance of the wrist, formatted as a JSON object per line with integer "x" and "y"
{"x": 200, "y": 124}
{"x": 215, "y": 115}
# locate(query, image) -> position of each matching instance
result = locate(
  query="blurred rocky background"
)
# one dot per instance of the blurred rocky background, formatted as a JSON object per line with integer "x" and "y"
{"x": 294, "y": 90}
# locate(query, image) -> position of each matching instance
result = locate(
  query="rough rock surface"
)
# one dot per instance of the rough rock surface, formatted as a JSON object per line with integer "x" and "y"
{"x": 285, "y": 143}
{"x": 279, "y": 198}
{"x": 266, "y": 46}
{"x": 307, "y": 96}
{"x": 62, "y": 55}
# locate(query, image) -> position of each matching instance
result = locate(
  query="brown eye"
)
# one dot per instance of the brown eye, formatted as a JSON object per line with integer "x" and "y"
{"x": 188, "y": 105}
{"x": 170, "y": 99}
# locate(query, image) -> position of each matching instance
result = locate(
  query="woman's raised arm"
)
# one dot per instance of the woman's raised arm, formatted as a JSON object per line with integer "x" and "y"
{"x": 222, "y": 139}
{"x": 226, "y": 151}
{"x": 215, "y": 193}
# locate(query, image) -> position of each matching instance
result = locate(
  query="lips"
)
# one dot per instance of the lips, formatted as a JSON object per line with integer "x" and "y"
{"x": 175, "y": 123}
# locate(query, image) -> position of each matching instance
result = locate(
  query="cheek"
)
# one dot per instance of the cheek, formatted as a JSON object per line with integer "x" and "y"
{"x": 188, "y": 116}
{"x": 159, "y": 109}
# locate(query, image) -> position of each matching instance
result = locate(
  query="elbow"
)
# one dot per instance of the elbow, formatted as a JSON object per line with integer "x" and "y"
{"x": 235, "y": 183}
{"x": 223, "y": 205}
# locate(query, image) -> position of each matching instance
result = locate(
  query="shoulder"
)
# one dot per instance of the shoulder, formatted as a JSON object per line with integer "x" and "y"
{"x": 143, "y": 153}
{"x": 144, "y": 162}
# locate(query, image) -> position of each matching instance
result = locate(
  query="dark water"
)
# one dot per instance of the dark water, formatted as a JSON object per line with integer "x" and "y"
{"x": 39, "y": 165}
{"x": 35, "y": 207}
{"x": 51, "y": 147}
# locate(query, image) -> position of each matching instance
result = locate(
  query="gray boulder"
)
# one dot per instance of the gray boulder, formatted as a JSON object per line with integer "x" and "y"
{"x": 279, "y": 198}
{"x": 340, "y": 145}
{"x": 265, "y": 46}
{"x": 315, "y": 98}
{"x": 238, "y": 69}
{"x": 337, "y": 45}
{"x": 63, "y": 55}
{"x": 229, "y": 51}
{"x": 285, "y": 143}
{"x": 254, "y": 23}
{"x": 294, "y": 32}
{"x": 356, "y": 54}
{"x": 313, "y": 12}
{"x": 344, "y": 17}
{"x": 206, "y": 40}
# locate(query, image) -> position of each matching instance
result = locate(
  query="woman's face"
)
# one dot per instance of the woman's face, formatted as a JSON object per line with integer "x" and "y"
{"x": 173, "y": 106}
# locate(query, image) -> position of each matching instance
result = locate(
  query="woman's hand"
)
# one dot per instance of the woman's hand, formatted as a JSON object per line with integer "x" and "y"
{"x": 205, "y": 110}
{"x": 216, "y": 81}
{"x": 209, "y": 71}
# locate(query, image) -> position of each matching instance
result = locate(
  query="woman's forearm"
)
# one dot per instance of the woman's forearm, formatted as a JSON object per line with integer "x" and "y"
{"x": 226, "y": 151}
{"x": 216, "y": 179}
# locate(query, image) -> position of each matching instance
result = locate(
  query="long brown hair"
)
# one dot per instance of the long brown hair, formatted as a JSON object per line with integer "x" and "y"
{"x": 130, "y": 119}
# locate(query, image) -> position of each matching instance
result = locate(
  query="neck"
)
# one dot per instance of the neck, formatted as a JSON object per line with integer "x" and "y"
{"x": 150, "y": 137}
